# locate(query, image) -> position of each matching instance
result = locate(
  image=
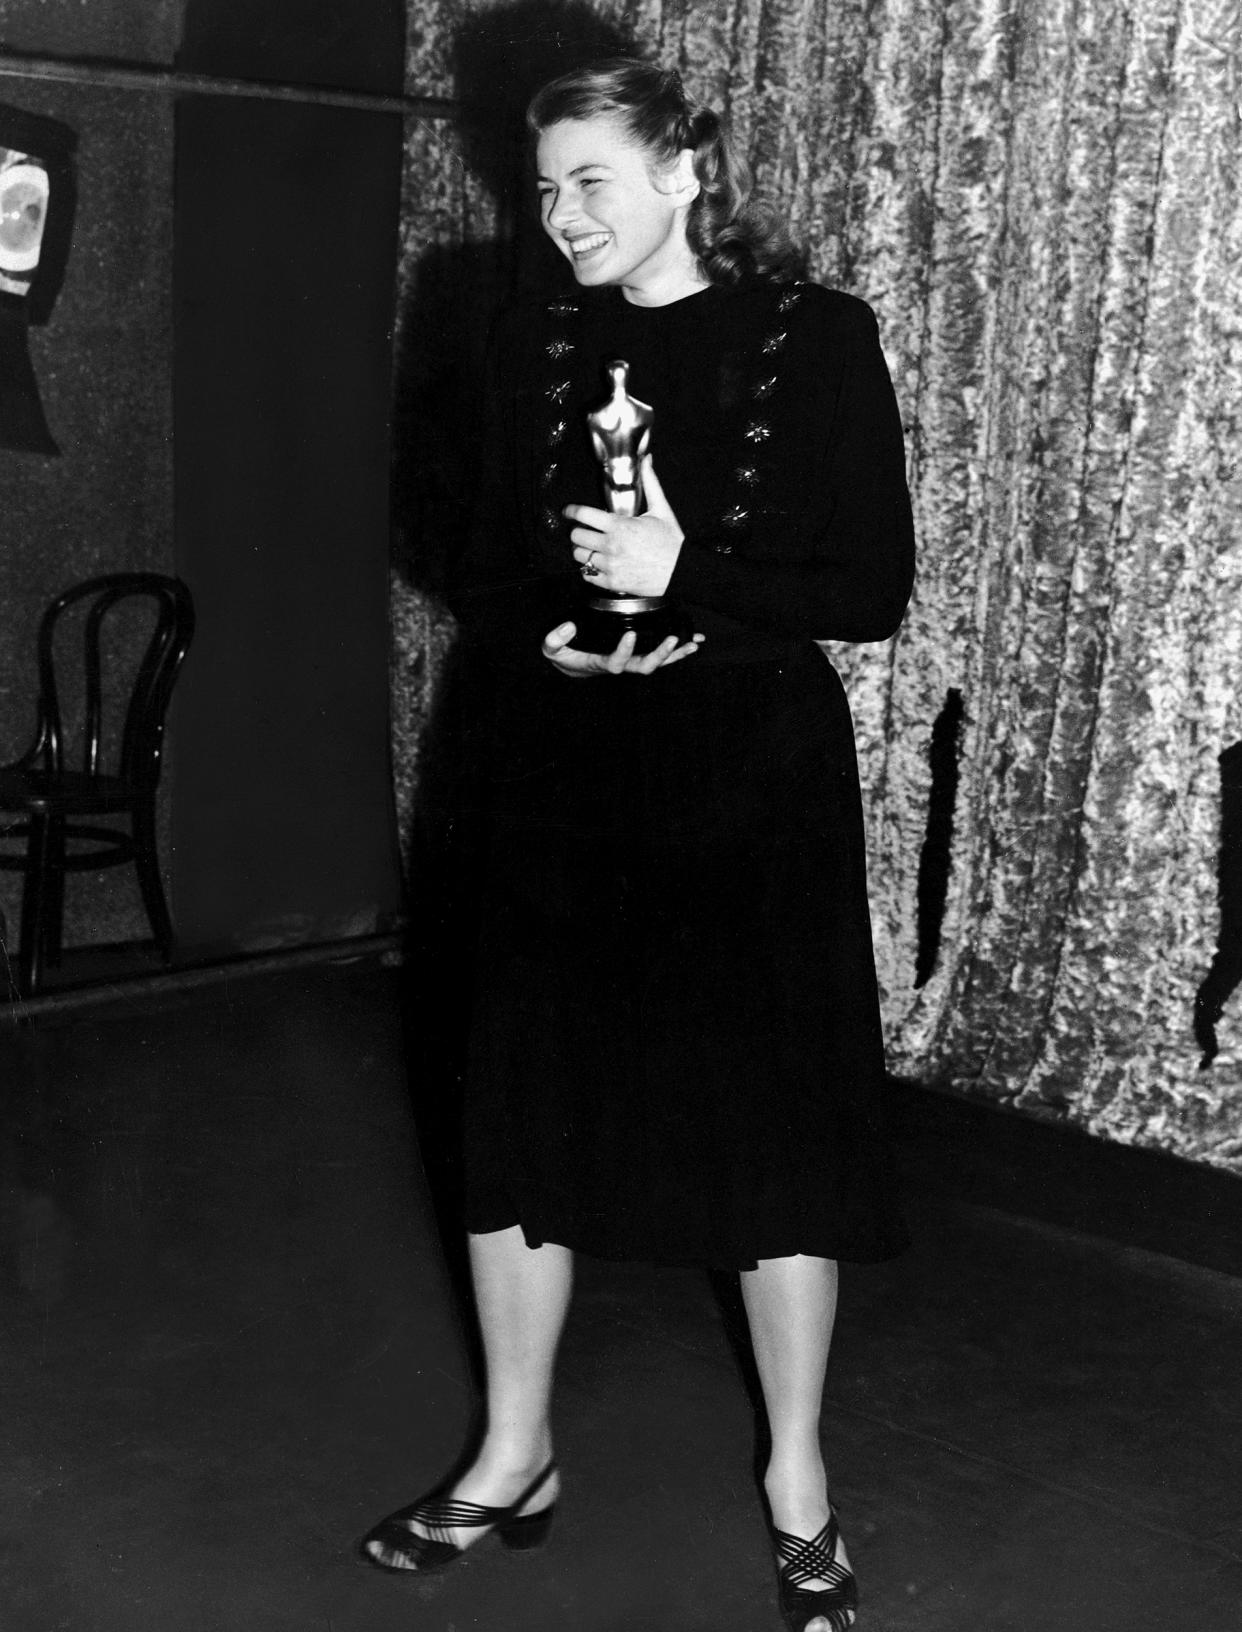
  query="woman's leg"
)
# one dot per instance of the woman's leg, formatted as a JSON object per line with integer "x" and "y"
{"x": 522, "y": 1296}
{"x": 790, "y": 1305}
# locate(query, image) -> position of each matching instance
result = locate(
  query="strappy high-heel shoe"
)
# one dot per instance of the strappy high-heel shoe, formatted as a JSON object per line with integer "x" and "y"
{"x": 799, "y": 1561}
{"x": 440, "y": 1517}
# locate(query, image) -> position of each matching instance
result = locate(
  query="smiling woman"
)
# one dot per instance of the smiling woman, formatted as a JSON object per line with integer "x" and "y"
{"x": 676, "y": 1050}
{"x": 616, "y": 216}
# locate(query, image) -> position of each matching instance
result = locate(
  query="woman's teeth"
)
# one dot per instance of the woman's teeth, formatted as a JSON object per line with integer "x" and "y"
{"x": 588, "y": 244}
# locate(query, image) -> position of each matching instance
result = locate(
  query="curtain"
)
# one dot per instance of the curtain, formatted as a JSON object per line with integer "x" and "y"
{"x": 1041, "y": 202}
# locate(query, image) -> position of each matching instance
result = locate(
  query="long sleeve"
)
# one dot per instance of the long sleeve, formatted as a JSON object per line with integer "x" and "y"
{"x": 840, "y": 497}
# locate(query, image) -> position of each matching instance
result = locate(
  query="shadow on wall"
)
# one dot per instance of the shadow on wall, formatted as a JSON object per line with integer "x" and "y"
{"x": 500, "y": 58}
{"x": 936, "y": 858}
{"x": 1225, "y": 973}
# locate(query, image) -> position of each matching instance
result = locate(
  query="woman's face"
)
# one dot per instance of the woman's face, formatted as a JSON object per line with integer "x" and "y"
{"x": 614, "y": 218}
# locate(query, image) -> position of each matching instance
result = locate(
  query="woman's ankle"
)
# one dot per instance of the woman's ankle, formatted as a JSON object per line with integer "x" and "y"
{"x": 514, "y": 1457}
{"x": 796, "y": 1479}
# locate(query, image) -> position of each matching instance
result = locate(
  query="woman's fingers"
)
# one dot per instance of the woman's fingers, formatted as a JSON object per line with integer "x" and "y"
{"x": 559, "y": 650}
{"x": 588, "y": 537}
{"x": 632, "y": 555}
{"x": 687, "y": 650}
{"x": 590, "y": 515}
{"x": 655, "y": 658}
{"x": 668, "y": 651}
{"x": 657, "y": 504}
{"x": 556, "y": 640}
{"x": 619, "y": 660}
{"x": 592, "y": 563}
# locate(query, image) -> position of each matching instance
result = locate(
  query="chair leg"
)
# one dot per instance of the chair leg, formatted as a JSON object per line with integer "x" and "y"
{"x": 8, "y": 976}
{"x": 147, "y": 861}
{"x": 30, "y": 958}
{"x": 54, "y": 897}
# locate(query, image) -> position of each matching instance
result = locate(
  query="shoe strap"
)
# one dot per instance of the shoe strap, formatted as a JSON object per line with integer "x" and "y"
{"x": 441, "y": 1516}
{"x": 813, "y": 1560}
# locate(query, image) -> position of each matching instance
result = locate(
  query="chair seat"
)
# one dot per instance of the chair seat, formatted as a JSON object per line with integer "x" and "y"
{"x": 24, "y": 788}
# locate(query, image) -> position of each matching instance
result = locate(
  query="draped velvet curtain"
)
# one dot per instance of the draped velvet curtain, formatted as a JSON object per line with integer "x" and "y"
{"x": 1041, "y": 201}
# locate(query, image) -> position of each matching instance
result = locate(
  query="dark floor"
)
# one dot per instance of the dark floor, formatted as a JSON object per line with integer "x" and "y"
{"x": 227, "y": 1347}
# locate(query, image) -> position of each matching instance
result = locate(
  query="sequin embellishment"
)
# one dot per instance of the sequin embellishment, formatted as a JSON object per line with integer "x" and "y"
{"x": 556, "y": 392}
{"x": 742, "y": 503}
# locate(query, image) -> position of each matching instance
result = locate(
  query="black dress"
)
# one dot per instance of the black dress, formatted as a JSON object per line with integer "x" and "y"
{"x": 676, "y": 1051}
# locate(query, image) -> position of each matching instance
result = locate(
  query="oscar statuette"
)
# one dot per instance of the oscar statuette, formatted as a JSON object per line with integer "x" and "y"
{"x": 620, "y": 434}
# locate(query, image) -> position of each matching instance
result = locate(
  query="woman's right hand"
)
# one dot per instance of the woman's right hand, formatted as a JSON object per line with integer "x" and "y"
{"x": 578, "y": 665}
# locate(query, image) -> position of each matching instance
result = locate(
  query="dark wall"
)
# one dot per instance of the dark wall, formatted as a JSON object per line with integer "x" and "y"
{"x": 285, "y": 221}
{"x": 242, "y": 441}
{"x": 285, "y": 248}
{"x": 358, "y": 47}
{"x": 119, "y": 30}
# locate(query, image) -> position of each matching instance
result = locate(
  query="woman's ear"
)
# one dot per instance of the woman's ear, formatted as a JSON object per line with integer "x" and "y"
{"x": 680, "y": 179}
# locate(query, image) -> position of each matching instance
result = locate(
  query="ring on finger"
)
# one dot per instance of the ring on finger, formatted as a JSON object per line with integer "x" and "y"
{"x": 589, "y": 569}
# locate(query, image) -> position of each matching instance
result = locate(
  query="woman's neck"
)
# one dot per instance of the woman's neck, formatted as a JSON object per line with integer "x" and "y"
{"x": 669, "y": 284}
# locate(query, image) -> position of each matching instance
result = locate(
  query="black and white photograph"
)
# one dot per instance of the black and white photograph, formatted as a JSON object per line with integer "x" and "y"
{"x": 620, "y": 816}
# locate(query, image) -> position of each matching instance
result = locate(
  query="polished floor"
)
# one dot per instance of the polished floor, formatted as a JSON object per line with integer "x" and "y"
{"x": 227, "y": 1345}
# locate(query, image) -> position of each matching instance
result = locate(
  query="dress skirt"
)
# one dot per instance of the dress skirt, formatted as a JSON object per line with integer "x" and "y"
{"x": 676, "y": 1053}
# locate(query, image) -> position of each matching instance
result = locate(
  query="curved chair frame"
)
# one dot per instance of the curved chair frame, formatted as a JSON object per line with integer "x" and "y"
{"x": 48, "y": 797}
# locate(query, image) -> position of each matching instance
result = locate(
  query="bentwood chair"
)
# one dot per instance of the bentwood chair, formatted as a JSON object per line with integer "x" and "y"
{"x": 43, "y": 800}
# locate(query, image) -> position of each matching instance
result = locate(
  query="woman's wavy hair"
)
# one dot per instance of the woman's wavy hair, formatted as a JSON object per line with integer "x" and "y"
{"x": 737, "y": 239}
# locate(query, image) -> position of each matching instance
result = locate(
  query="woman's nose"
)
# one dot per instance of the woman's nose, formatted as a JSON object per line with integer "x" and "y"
{"x": 560, "y": 212}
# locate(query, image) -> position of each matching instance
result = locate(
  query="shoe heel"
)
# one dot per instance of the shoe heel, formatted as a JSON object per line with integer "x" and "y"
{"x": 531, "y": 1530}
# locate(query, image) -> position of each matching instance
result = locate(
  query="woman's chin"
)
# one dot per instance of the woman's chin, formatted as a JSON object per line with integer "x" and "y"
{"x": 590, "y": 271}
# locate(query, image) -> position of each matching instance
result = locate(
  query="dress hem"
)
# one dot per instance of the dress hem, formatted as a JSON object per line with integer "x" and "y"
{"x": 877, "y": 1251}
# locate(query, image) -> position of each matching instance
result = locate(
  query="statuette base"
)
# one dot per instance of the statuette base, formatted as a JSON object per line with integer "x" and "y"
{"x": 603, "y": 620}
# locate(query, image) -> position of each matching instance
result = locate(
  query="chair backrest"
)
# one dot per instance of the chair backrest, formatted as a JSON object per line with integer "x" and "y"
{"x": 149, "y": 695}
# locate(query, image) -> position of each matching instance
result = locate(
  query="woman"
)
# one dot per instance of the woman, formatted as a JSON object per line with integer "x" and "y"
{"x": 676, "y": 1051}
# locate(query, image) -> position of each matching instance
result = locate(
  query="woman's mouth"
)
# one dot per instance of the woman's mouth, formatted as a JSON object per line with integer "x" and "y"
{"x": 589, "y": 244}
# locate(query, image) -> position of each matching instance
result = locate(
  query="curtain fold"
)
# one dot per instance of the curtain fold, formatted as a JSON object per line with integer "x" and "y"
{"x": 1041, "y": 201}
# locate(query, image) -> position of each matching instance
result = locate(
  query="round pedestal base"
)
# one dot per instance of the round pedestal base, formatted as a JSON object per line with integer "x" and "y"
{"x": 600, "y": 629}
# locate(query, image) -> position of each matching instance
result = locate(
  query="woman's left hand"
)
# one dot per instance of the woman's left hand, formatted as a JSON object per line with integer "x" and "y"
{"x": 630, "y": 555}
